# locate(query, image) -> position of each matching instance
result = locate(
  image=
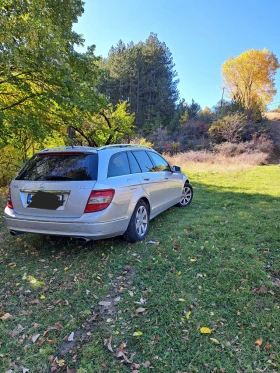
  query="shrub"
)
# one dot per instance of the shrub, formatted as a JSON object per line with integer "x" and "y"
{"x": 261, "y": 144}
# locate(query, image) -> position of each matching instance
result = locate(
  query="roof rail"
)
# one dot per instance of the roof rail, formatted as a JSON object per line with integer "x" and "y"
{"x": 123, "y": 146}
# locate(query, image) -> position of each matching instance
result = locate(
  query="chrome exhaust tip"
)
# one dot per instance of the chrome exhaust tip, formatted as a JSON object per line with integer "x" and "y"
{"x": 83, "y": 239}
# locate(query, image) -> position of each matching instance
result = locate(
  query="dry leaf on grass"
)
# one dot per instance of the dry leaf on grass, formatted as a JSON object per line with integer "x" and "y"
{"x": 258, "y": 342}
{"x": 6, "y": 316}
{"x": 107, "y": 343}
{"x": 140, "y": 310}
{"x": 104, "y": 304}
{"x": 35, "y": 337}
{"x": 261, "y": 290}
{"x": 205, "y": 330}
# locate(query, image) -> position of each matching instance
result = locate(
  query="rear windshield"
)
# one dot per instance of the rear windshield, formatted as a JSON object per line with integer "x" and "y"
{"x": 60, "y": 167}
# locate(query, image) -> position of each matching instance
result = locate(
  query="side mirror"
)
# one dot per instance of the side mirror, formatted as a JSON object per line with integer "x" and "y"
{"x": 176, "y": 169}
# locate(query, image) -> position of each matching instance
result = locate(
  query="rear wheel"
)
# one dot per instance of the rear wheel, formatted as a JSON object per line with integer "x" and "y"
{"x": 139, "y": 223}
{"x": 187, "y": 196}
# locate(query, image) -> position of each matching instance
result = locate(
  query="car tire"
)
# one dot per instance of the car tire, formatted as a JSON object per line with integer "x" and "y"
{"x": 139, "y": 223}
{"x": 187, "y": 196}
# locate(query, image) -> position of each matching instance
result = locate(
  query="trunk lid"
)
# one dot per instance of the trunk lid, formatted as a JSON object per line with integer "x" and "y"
{"x": 55, "y": 185}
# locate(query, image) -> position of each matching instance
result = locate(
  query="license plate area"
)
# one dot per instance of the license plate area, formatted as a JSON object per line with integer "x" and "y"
{"x": 48, "y": 200}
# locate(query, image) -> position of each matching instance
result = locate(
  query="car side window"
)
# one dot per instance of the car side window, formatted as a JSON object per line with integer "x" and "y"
{"x": 118, "y": 165}
{"x": 144, "y": 161}
{"x": 160, "y": 163}
{"x": 134, "y": 166}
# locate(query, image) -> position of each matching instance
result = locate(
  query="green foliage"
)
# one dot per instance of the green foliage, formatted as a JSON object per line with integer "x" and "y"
{"x": 43, "y": 80}
{"x": 142, "y": 74}
{"x": 113, "y": 124}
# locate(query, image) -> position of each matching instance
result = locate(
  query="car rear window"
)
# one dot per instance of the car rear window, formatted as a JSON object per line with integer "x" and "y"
{"x": 60, "y": 167}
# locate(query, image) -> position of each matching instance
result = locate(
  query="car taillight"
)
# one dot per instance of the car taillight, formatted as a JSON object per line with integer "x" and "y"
{"x": 99, "y": 200}
{"x": 9, "y": 200}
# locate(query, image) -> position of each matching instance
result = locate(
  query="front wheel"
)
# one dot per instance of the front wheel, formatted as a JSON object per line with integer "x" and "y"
{"x": 187, "y": 196}
{"x": 139, "y": 223}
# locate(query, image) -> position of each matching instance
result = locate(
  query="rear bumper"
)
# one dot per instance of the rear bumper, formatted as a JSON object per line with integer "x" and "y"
{"x": 86, "y": 228}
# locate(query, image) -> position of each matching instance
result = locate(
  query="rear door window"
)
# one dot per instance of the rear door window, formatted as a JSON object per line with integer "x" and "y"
{"x": 60, "y": 167}
{"x": 144, "y": 161}
{"x": 118, "y": 165}
{"x": 134, "y": 166}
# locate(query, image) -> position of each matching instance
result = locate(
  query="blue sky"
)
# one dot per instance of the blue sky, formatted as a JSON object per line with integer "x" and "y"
{"x": 200, "y": 34}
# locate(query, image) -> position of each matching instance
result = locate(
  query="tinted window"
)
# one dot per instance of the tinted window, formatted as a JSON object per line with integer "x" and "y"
{"x": 60, "y": 167}
{"x": 143, "y": 160}
{"x": 160, "y": 163}
{"x": 134, "y": 166}
{"x": 118, "y": 165}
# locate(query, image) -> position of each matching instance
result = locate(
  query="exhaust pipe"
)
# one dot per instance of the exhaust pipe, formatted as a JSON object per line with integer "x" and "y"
{"x": 16, "y": 233}
{"x": 83, "y": 239}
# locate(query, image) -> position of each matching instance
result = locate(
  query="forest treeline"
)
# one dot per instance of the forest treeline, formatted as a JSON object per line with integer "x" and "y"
{"x": 51, "y": 95}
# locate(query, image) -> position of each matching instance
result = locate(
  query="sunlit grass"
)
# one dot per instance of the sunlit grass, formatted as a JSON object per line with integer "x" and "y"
{"x": 216, "y": 265}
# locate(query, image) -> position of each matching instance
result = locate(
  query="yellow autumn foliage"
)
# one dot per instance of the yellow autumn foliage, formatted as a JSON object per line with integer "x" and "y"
{"x": 249, "y": 77}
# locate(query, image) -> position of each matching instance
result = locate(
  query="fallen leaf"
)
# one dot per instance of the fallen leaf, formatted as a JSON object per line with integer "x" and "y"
{"x": 258, "y": 342}
{"x": 17, "y": 331}
{"x": 205, "y": 330}
{"x": 107, "y": 343}
{"x": 147, "y": 364}
{"x": 66, "y": 269}
{"x": 104, "y": 303}
{"x": 193, "y": 260}
{"x": 137, "y": 334}
{"x": 60, "y": 362}
{"x": 6, "y": 316}
{"x": 181, "y": 300}
{"x": 261, "y": 290}
{"x": 188, "y": 315}
{"x": 276, "y": 282}
{"x": 35, "y": 301}
{"x": 35, "y": 337}
{"x": 57, "y": 326}
{"x": 71, "y": 337}
{"x": 42, "y": 297}
{"x": 215, "y": 341}
{"x": 140, "y": 310}
{"x": 267, "y": 347}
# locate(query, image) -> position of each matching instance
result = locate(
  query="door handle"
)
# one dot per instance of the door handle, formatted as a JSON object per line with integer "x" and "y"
{"x": 146, "y": 178}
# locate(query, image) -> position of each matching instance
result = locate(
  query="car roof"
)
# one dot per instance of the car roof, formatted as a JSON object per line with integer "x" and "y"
{"x": 89, "y": 149}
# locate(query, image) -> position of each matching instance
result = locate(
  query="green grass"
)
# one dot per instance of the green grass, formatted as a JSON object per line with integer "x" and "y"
{"x": 231, "y": 229}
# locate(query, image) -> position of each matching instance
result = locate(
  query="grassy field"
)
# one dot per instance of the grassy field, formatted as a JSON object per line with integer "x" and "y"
{"x": 204, "y": 297}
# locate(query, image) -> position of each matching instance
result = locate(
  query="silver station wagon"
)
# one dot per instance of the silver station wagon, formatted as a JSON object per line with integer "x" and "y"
{"x": 93, "y": 193}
